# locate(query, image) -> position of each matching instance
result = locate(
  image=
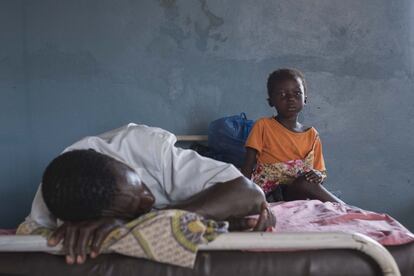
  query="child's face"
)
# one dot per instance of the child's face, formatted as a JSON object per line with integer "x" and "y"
{"x": 288, "y": 97}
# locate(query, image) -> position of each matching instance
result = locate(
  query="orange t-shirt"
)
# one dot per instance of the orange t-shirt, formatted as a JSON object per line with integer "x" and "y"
{"x": 275, "y": 143}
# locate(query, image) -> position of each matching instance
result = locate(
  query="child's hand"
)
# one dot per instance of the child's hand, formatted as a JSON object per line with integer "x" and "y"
{"x": 314, "y": 177}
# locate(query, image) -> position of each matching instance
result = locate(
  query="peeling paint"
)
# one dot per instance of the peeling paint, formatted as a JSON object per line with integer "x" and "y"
{"x": 202, "y": 26}
{"x": 52, "y": 63}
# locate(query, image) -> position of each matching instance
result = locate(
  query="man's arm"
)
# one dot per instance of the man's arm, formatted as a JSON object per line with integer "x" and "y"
{"x": 235, "y": 198}
{"x": 232, "y": 200}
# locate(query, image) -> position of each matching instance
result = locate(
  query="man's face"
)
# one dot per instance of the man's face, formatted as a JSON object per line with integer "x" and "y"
{"x": 132, "y": 197}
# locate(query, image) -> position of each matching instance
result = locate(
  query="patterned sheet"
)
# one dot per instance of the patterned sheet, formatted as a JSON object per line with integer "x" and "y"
{"x": 168, "y": 236}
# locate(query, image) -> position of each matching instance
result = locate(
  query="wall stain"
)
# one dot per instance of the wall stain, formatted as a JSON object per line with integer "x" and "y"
{"x": 52, "y": 63}
{"x": 175, "y": 83}
{"x": 206, "y": 33}
{"x": 343, "y": 66}
{"x": 181, "y": 27}
{"x": 168, "y": 3}
{"x": 171, "y": 28}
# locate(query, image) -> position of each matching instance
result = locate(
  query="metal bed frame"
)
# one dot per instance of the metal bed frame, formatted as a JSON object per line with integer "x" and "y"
{"x": 253, "y": 241}
{"x": 256, "y": 241}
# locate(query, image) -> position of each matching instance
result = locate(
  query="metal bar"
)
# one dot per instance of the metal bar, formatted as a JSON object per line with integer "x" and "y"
{"x": 250, "y": 241}
{"x": 190, "y": 138}
{"x": 306, "y": 241}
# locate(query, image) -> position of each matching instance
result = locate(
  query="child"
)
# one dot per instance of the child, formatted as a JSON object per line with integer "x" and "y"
{"x": 283, "y": 156}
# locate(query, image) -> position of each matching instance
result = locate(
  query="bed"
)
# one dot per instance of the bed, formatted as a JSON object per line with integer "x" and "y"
{"x": 230, "y": 254}
{"x": 291, "y": 249}
{"x": 281, "y": 253}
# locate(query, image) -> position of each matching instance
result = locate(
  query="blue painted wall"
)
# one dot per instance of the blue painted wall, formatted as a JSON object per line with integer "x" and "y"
{"x": 75, "y": 68}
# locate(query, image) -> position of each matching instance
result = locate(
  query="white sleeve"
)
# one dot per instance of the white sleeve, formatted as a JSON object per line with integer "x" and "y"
{"x": 187, "y": 173}
{"x": 39, "y": 213}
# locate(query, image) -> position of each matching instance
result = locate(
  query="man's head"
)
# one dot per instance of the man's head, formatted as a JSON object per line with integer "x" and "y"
{"x": 84, "y": 184}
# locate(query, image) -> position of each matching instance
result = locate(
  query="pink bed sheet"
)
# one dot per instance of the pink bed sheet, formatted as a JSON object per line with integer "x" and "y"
{"x": 316, "y": 216}
{"x": 7, "y": 231}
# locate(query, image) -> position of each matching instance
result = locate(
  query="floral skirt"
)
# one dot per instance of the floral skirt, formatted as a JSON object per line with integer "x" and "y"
{"x": 269, "y": 176}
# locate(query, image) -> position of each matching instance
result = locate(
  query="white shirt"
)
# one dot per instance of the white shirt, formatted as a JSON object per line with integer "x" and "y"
{"x": 172, "y": 174}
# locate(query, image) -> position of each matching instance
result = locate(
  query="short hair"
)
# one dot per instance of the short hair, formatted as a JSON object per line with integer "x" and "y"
{"x": 79, "y": 185}
{"x": 284, "y": 74}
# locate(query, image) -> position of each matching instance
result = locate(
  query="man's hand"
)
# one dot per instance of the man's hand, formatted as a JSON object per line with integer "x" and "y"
{"x": 265, "y": 220}
{"x": 314, "y": 177}
{"x": 78, "y": 237}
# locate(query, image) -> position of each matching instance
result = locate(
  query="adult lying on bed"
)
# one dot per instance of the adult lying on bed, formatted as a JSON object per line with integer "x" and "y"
{"x": 103, "y": 181}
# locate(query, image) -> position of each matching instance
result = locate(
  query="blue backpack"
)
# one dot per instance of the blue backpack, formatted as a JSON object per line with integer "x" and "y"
{"x": 227, "y": 136}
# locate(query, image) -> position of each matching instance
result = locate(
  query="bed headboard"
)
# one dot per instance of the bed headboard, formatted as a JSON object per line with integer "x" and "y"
{"x": 192, "y": 138}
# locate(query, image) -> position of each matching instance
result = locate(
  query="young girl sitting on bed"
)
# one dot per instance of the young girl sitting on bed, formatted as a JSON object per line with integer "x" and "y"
{"x": 283, "y": 156}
